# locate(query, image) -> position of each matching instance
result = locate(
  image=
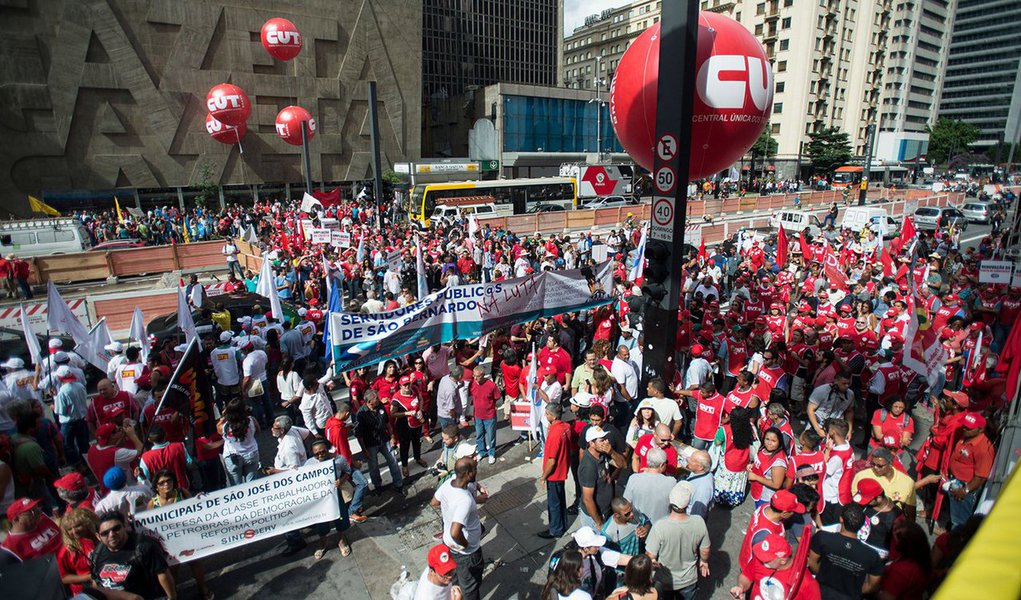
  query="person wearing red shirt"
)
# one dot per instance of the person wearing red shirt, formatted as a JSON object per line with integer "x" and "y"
{"x": 555, "y": 357}
{"x": 661, "y": 438}
{"x": 557, "y": 453}
{"x": 708, "y": 413}
{"x": 32, "y": 534}
{"x": 1009, "y": 311}
{"x": 110, "y": 406}
{"x": 386, "y": 384}
{"x": 114, "y": 446}
{"x": 406, "y": 418}
{"x": 766, "y": 520}
{"x": 78, "y": 532}
{"x": 484, "y": 395}
{"x": 771, "y": 573}
{"x": 465, "y": 264}
{"x": 743, "y": 394}
{"x": 970, "y": 465}
{"x": 892, "y": 426}
{"x": 172, "y": 422}
{"x": 165, "y": 455}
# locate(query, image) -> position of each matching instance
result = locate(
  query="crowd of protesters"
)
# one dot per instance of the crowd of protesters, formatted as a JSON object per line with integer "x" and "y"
{"x": 793, "y": 390}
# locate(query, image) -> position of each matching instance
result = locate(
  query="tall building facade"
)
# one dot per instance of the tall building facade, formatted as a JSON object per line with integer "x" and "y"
{"x": 832, "y": 60}
{"x": 983, "y": 77}
{"x": 469, "y": 44}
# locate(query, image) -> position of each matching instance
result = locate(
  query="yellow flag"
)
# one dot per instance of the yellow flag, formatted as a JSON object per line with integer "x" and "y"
{"x": 38, "y": 206}
{"x": 117, "y": 205}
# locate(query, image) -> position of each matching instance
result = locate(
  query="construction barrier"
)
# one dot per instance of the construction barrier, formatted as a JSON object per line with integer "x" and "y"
{"x": 86, "y": 266}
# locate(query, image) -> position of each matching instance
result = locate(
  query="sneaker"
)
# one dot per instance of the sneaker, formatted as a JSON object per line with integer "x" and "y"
{"x": 539, "y": 455}
{"x": 492, "y": 460}
{"x": 357, "y": 518}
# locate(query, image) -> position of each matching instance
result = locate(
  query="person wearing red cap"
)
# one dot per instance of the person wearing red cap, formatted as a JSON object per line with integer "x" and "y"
{"x": 880, "y": 515}
{"x": 407, "y": 420}
{"x": 970, "y": 465}
{"x": 843, "y": 565}
{"x": 114, "y": 446}
{"x": 436, "y": 582}
{"x": 32, "y": 534}
{"x": 110, "y": 405}
{"x": 75, "y": 491}
{"x": 772, "y": 573}
{"x": 768, "y": 519}
{"x": 897, "y": 485}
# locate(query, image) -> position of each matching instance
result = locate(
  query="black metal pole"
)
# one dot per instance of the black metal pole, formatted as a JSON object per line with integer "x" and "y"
{"x": 801, "y": 149}
{"x": 376, "y": 168}
{"x": 307, "y": 156}
{"x": 870, "y": 138}
{"x": 675, "y": 95}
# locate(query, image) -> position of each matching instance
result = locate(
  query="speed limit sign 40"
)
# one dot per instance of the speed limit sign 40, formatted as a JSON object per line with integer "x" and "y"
{"x": 665, "y": 180}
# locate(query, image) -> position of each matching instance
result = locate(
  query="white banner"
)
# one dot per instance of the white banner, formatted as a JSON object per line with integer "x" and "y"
{"x": 995, "y": 271}
{"x": 246, "y": 513}
{"x": 340, "y": 239}
{"x": 321, "y": 236}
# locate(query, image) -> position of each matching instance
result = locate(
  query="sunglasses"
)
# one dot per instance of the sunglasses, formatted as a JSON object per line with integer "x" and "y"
{"x": 879, "y": 465}
{"x": 108, "y": 532}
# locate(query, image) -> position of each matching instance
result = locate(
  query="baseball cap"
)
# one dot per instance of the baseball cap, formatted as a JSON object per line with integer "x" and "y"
{"x": 465, "y": 450}
{"x": 973, "y": 420}
{"x": 784, "y": 501}
{"x": 302, "y": 312}
{"x": 581, "y": 399}
{"x": 20, "y": 506}
{"x": 697, "y": 350}
{"x": 60, "y": 356}
{"x": 114, "y": 347}
{"x": 585, "y": 537}
{"x": 64, "y": 373}
{"x": 406, "y": 380}
{"x": 115, "y": 478}
{"x": 104, "y": 431}
{"x": 868, "y": 490}
{"x": 71, "y": 481}
{"x": 225, "y": 336}
{"x": 595, "y": 433}
{"x": 647, "y": 403}
{"x": 960, "y": 398}
{"x": 55, "y": 344}
{"x": 13, "y": 363}
{"x": 774, "y": 546}
{"x": 680, "y": 494}
{"x": 440, "y": 560}
{"x": 977, "y": 326}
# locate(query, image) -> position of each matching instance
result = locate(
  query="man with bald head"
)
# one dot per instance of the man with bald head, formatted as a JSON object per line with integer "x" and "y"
{"x": 662, "y": 437}
{"x": 110, "y": 405}
{"x": 458, "y": 499}
{"x": 649, "y": 491}
{"x": 700, "y": 477}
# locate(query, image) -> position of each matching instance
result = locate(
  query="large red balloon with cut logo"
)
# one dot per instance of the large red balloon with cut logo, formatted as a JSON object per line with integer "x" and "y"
{"x": 228, "y": 104}
{"x": 281, "y": 39}
{"x": 223, "y": 133}
{"x": 733, "y": 95}
{"x": 289, "y": 124}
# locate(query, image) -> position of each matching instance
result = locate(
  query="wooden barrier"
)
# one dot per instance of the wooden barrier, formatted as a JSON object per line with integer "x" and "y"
{"x": 118, "y": 308}
{"x": 71, "y": 267}
{"x": 84, "y": 266}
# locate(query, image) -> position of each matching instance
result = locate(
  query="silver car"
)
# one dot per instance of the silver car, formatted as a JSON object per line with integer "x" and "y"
{"x": 977, "y": 212}
{"x": 932, "y": 217}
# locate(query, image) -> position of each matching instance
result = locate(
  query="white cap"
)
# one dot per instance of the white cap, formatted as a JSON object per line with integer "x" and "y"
{"x": 64, "y": 372}
{"x": 56, "y": 343}
{"x": 61, "y": 356}
{"x": 225, "y": 336}
{"x": 13, "y": 363}
{"x": 181, "y": 348}
{"x": 647, "y": 403}
{"x": 587, "y": 538}
{"x": 595, "y": 433}
{"x": 114, "y": 347}
{"x": 465, "y": 449}
{"x": 582, "y": 399}
{"x": 302, "y": 312}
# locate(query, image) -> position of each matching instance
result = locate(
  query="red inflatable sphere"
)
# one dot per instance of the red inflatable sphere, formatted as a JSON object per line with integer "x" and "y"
{"x": 733, "y": 95}
{"x": 289, "y": 124}
{"x": 281, "y": 39}
{"x": 228, "y": 104}
{"x": 223, "y": 133}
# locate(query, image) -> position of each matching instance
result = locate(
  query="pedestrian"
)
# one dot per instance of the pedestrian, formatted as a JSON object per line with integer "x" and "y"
{"x": 638, "y": 583}
{"x": 163, "y": 454}
{"x": 772, "y": 574}
{"x": 32, "y": 534}
{"x": 70, "y": 406}
{"x": 168, "y": 491}
{"x": 649, "y": 491}
{"x": 559, "y": 446}
{"x": 240, "y": 449}
{"x": 484, "y": 394}
{"x": 564, "y": 579}
{"x": 599, "y": 462}
{"x": 680, "y": 544}
{"x": 437, "y": 579}
{"x": 458, "y": 499}
{"x": 449, "y": 396}
{"x": 79, "y": 537}
{"x": 126, "y": 561}
{"x": 700, "y": 476}
{"x": 408, "y": 420}
{"x": 372, "y": 428}
{"x": 231, "y": 251}
{"x": 844, "y": 566}
{"x": 314, "y": 405}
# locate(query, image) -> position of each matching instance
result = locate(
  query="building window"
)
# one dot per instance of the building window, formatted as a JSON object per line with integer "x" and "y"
{"x": 758, "y": 29}
{"x": 779, "y": 87}
{"x": 781, "y": 66}
{"x": 785, "y": 44}
{"x": 775, "y": 128}
{"x": 785, "y": 23}
{"x": 760, "y": 9}
{"x": 778, "y": 107}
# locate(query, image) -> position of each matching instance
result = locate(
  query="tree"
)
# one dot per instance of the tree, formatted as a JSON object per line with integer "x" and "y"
{"x": 209, "y": 190}
{"x": 828, "y": 149}
{"x": 949, "y": 137}
{"x": 765, "y": 146}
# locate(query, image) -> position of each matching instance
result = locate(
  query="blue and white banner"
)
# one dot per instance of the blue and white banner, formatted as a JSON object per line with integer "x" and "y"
{"x": 464, "y": 312}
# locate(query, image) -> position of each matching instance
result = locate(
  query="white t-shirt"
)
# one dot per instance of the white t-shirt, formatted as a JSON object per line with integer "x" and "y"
{"x": 427, "y": 590}
{"x": 666, "y": 409}
{"x": 254, "y": 365}
{"x": 458, "y": 506}
{"x": 578, "y": 594}
{"x": 127, "y": 374}
{"x": 626, "y": 375}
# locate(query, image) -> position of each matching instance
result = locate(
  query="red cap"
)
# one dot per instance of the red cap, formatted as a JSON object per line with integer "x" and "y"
{"x": 785, "y": 501}
{"x": 776, "y": 305}
{"x": 868, "y": 490}
{"x": 977, "y": 326}
{"x": 697, "y": 350}
{"x": 406, "y": 380}
{"x": 824, "y": 294}
{"x": 104, "y": 431}
{"x": 960, "y": 398}
{"x": 805, "y": 307}
{"x": 772, "y": 547}
{"x": 946, "y": 333}
{"x": 844, "y": 308}
{"x": 71, "y": 481}
{"x": 440, "y": 559}
{"x": 20, "y": 506}
{"x": 973, "y": 420}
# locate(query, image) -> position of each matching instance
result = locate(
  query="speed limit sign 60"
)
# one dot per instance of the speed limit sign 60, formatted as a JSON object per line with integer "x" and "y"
{"x": 665, "y": 180}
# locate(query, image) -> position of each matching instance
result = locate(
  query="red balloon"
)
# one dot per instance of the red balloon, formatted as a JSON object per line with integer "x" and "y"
{"x": 733, "y": 99}
{"x": 228, "y": 104}
{"x": 223, "y": 133}
{"x": 289, "y": 124}
{"x": 281, "y": 39}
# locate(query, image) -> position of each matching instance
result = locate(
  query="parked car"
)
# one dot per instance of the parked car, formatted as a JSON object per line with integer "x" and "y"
{"x": 545, "y": 208}
{"x": 875, "y": 218}
{"x": 239, "y": 304}
{"x": 933, "y": 217}
{"x": 796, "y": 221}
{"x": 117, "y": 245}
{"x": 609, "y": 202}
{"x": 977, "y": 212}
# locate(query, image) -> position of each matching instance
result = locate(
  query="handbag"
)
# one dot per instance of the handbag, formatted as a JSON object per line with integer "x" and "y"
{"x": 255, "y": 390}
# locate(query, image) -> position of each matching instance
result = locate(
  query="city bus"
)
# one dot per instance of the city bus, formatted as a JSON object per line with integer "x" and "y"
{"x": 847, "y": 177}
{"x": 500, "y": 197}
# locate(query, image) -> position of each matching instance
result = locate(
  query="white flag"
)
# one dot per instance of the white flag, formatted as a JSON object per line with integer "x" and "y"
{"x": 250, "y": 236}
{"x": 95, "y": 351}
{"x": 309, "y": 203}
{"x": 327, "y": 276}
{"x": 360, "y": 253}
{"x": 184, "y": 320}
{"x": 423, "y": 284}
{"x": 30, "y": 340}
{"x": 532, "y": 395}
{"x": 137, "y": 333}
{"x": 267, "y": 288}
{"x": 60, "y": 317}
{"x": 638, "y": 267}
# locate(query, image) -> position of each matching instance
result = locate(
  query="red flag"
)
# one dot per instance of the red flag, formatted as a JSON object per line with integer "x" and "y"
{"x": 907, "y": 233}
{"x": 1010, "y": 358}
{"x": 806, "y": 249}
{"x": 331, "y": 198}
{"x": 703, "y": 256}
{"x": 781, "y": 247}
{"x": 887, "y": 261}
{"x": 834, "y": 274}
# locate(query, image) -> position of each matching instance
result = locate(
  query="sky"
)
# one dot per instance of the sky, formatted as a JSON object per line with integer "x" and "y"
{"x": 575, "y": 11}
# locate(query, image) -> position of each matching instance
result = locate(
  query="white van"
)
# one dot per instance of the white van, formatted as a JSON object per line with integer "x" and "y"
{"x": 875, "y": 218}
{"x": 42, "y": 237}
{"x": 796, "y": 221}
{"x": 444, "y": 214}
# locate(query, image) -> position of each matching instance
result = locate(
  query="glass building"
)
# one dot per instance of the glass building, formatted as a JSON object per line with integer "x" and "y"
{"x": 538, "y": 124}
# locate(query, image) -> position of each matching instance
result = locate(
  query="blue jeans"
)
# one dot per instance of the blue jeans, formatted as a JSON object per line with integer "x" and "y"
{"x": 556, "y": 507}
{"x": 444, "y": 421}
{"x": 372, "y": 457}
{"x": 360, "y": 485}
{"x": 485, "y": 437}
{"x": 240, "y": 469}
{"x": 76, "y": 440}
{"x": 961, "y": 510}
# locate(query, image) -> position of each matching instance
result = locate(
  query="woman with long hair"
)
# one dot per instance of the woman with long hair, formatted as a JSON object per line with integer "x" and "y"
{"x": 564, "y": 579}
{"x": 644, "y": 421}
{"x": 908, "y": 574}
{"x": 240, "y": 450}
{"x": 168, "y": 492}
{"x": 289, "y": 388}
{"x": 78, "y": 531}
{"x": 734, "y": 440}
{"x": 767, "y": 472}
{"x": 637, "y": 581}
{"x": 386, "y": 384}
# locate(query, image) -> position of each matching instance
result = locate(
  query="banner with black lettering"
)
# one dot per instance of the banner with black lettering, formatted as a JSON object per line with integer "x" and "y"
{"x": 190, "y": 392}
{"x": 246, "y": 513}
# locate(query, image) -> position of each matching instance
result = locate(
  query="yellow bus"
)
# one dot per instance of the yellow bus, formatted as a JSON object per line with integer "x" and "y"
{"x": 500, "y": 197}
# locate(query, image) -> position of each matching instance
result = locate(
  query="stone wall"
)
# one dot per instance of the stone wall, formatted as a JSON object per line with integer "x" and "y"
{"x": 100, "y": 94}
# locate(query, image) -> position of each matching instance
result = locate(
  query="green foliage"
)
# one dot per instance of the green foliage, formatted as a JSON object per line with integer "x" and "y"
{"x": 392, "y": 177}
{"x": 828, "y": 149}
{"x": 765, "y": 146}
{"x": 948, "y": 138}
{"x": 209, "y": 190}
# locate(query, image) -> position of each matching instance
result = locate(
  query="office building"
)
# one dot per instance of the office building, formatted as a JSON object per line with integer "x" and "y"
{"x": 592, "y": 51}
{"x": 983, "y": 75}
